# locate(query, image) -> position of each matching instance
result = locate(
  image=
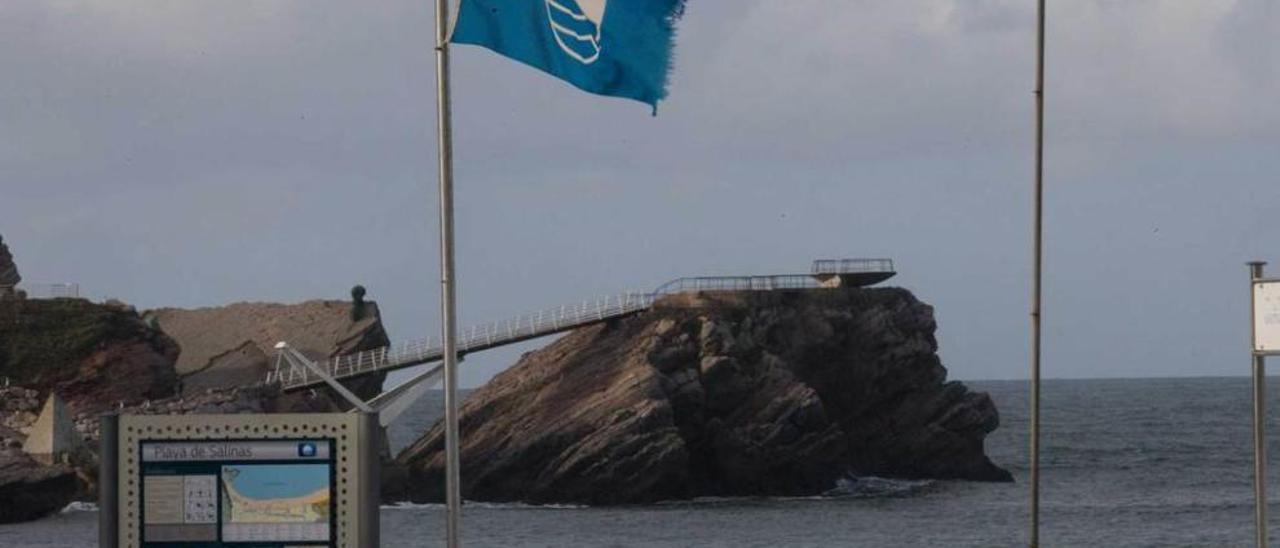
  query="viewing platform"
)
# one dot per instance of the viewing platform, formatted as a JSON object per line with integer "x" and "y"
{"x": 852, "y": 272}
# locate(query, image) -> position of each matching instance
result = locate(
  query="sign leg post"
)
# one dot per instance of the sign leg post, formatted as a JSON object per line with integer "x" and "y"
{"x": 1260, "y": 448}
{"x": 1259, "y": 416}
{"x": 370, "y": 496}
{"x": 108, "y": 480}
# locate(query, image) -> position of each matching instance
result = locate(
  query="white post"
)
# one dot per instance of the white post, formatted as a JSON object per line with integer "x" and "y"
{"x": 448, "y": 292}
{"x": 1259, "y": 415}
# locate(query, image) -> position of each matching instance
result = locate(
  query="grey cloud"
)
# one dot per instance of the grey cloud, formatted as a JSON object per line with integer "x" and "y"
{"x": 198, "y": 152}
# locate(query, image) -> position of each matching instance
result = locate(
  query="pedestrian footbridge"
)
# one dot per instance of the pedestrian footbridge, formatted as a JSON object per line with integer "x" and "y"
{"x": 290, "y": 375}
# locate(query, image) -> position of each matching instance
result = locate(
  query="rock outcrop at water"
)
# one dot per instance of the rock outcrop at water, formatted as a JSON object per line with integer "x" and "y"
{"x": 102, "y": 357}
{"x": 231, "y": 346}
{"x": 29, "y": 490}
{"x": 718, "y": 394}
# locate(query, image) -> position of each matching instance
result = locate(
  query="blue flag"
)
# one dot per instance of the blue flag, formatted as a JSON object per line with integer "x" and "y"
{"x": 620, "y": 48}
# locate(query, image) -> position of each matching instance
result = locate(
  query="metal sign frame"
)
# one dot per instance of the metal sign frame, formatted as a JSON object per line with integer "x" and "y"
{"x": 355, "y": 465}
{"x": 1266, "y": 335}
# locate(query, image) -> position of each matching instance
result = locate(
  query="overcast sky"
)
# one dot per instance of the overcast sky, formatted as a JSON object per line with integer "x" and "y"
{"x": 192, "y": 153}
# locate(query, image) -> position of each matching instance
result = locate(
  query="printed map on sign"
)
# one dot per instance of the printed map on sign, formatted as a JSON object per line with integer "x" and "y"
{"x": 275, "y": 501}
{"x": 1266, "y": 316}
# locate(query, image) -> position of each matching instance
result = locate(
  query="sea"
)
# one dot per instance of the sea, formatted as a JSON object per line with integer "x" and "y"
{"x": 1126, "y": 463}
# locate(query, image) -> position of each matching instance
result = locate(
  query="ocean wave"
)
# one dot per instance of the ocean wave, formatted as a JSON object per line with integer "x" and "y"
{"x": 483, "y": 505}
{"x": 78, "y": 506}
{"x": 875, "y": 487}
{"x": 849, "y": 487}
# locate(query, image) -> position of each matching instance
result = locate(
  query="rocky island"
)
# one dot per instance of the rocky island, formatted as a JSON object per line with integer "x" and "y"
{"x": 717, "y": 394}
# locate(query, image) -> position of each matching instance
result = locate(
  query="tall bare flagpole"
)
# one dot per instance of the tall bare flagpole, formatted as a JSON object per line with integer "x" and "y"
{"x": 1036, "y": 284}
{"x": 448, "y": 292}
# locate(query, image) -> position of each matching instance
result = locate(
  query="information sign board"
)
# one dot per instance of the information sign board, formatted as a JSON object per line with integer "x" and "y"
{"x": 1266, "y": 316}
{"x": 266, "y": 481}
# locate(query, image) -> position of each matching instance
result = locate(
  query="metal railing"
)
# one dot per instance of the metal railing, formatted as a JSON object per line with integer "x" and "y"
{"x": 475, "y": 338}
{"x": 555, "y": 320}
{"x": 738, "y": 283}
{"x": 50, "y": 290}
{"x": 851, "y": 266}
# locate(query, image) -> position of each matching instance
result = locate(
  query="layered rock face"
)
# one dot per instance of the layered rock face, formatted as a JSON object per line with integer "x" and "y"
{"x": 715, "y": 394}
{"x": 100, "y": 357}
{"x": 95, "y": 356}
{"x": 29, "y": 490}
{"x": 233, "y": 346}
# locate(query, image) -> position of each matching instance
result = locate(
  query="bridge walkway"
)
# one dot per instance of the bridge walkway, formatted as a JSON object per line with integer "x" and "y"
{"x": 567, "y": 318}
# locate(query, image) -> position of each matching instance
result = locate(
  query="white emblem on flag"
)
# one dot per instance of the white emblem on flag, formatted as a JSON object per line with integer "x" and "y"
{"x": 576, "y": 25}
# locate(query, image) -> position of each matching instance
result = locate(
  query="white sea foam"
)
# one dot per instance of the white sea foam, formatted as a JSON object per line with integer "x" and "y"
{"x": 872, "y": 486}
{"x": 411, "y": 506}
{"x": 78, "y": 506}
{"x": 484, "y": 505}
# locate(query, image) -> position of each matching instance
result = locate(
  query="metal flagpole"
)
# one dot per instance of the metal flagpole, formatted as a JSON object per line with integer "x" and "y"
{"x": 448, "y": 293}
{"x": 1036, "y": 284}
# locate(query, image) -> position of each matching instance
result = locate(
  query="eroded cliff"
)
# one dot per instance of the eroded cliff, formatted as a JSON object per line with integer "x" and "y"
{"x": 96, "y": 356}
{"x": 231, "y": 346}
{"x": 101, "y": 357}
{"x": 714, "y": 394}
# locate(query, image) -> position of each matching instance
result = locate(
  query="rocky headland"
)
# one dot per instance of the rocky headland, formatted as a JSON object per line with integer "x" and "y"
{"x": 104, "y": 357}
{"x": 31, "y": 490}
{"x": 231, "y": 346}
{"x": 95, "y": 356}
{"x": 717, "y": 394}
{"x": 705, "y": 394}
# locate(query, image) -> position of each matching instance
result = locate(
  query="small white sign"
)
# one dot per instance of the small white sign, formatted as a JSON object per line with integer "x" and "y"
{"x": 1266, "y": 317}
